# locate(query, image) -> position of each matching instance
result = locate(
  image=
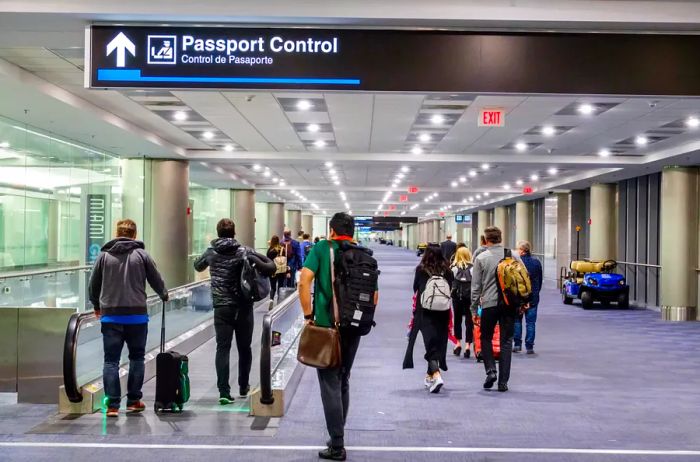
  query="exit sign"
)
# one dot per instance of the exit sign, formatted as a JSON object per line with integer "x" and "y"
{"x": 527, "y": 190}
{"x": 412, "y": 189}
{"x": 492, "y": 117}
{"x": 403, "y": 198}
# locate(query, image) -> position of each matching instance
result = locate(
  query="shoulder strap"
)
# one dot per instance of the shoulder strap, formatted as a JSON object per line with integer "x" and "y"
{"x": 336, "y": 316}
{"x": 507, "y": 253}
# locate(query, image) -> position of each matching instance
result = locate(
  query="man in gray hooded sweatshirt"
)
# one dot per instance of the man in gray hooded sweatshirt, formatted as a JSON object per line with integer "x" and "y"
{"x": 117, "y": 291}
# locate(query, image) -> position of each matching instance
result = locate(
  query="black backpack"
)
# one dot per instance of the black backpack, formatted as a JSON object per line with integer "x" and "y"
{"x": 462, "y": 284}
{"x": 254, "y": 286}
{"x": 356, "y": 276}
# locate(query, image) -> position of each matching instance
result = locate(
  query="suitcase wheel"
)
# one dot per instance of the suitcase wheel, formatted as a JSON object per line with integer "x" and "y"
{"x": 157, "y": 407}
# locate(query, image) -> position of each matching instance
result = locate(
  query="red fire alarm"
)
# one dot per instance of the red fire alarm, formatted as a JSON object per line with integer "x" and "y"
{"x": 189, "y": 210}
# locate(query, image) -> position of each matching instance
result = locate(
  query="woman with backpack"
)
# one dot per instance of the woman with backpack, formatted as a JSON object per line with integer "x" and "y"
{"x": 276, "y": 253}
{"x": 461, "y": 300}
{"x": 432, "y": 283}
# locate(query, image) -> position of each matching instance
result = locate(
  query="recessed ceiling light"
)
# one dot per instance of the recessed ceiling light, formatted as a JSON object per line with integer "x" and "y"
{"x": 586, "y": 109}
{"x": 416, "y": 150}
{"x": 520, "y": 146}
{"x": 478, "y": 196}
{"x": 424, "y": 137}
{"x": 437, "y": 119}
{"x": 462, "y": 179}
{"x": 207, "y": 135}
{"x": 228, "y": 148}
{"x": 506, "y": 186}
{"x": 604, "y": 153}
{"x": 552, "y": 171}
{"x": 471, "y": 198}
{"x": 304, "y": 105}
{"x": 486, "y": 194}
{"x": 319, "y": 143}
{"x": 453, "y": 184}
{"x": 267, "y": 174}
{"x": 334, "y": 177}
{"x": 400, "y": 176}
{"x": 332, "y": 171}
{"x": 426, "y": 199}
{"x": 405, "y": 169}
{"x": 283, "y": 183}
{"x": 548, "y": 130}
{"x": 472, "y": 173}
{"x": 641, "y": 140}
{"x": 275, "y": 179}
{"x": 257, "y": 167}
{"x": 693, "y": 122}
{"x": 534, "y": 177}
{"x": 485, "y": 166}
{"x": 435, "y": 194}
{"x": 519, "y": 182}
{"x": 180, "y": 115}
{"x": 313, "y": 128}
{"x": 329, "y": 164}
{"x": 336, "y": 182}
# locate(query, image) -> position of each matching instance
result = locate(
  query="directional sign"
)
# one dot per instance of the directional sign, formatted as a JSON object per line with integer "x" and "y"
{"x": 122, "y": 44}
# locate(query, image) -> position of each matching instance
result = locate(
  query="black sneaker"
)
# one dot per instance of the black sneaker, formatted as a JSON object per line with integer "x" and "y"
{"x": 531, "y": 351}
{"x": 225, "y": 399}
{"x": 467, "y": 353}
{"x": 517, "y": 349}
{"x": 243, "y": 392}
{"x": 502, "y": 387}
{"x": 333, "y": 454}
{"x": 490, "y": 380}
{"x": 457, "y": 350}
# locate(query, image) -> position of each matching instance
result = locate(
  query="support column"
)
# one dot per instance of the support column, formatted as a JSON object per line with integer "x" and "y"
{"x": 482, "y": 224}
{"x": 295, "y": 222}
{"x": 435, "y": 230}
{"x": 563, "y": 244}
{"x": 275, "y": 220}
{"x": 602, "y": 227}
{"x": 679, "y": 244}
{"x": 523, "y": 222}
{"x": 307, "y": 224}
{"x": 500, "y": 220}
{"x": 243, "y": 213}
{"x": 169, "y": 202}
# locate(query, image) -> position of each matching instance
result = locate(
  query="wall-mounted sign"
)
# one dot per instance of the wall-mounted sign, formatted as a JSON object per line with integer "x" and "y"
{"x": 96, "y": 226}
{"x": 413, "y": 189}
{"x": 492, "y": 118}
{"x": 527, "y": 190}
{"x": 370, "y": 60}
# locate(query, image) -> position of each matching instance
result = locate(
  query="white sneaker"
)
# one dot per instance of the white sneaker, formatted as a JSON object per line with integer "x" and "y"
{"x": 427, "y": 381}
{"x": 436, "y": 383}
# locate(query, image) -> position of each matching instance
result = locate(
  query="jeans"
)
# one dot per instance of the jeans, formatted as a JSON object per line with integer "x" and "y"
{"x": 335, "y": 390}
{"x": 505, "y": 317}
{"x": 276, "y": 283}
{"x": 227, "y": 321}
{"x": 462, "y": 312}
{"x": 530, "y": 320}
{"x": 113, "y": 337}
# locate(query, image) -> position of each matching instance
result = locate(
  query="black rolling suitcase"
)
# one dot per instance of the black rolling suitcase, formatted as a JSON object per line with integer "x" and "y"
{"x": 172, "y": 377}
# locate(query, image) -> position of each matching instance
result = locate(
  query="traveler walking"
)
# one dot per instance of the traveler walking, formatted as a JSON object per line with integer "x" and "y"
{"x": 481, "y": 248}
{"x": 117, "y": 290}
{"x": 306, "y": 246}
{"x": 334, "y": 382}
{"x": 534, "y": 269}
{"x": 461, "y": 300}
{"x": 275, "y": 253}
{"x": 433, "y": 282}
{"x": 233, "y": 313}
{"x": 292, "y": 250}
{"x": 487, "y": 304}
{"x": 448, "y": 248}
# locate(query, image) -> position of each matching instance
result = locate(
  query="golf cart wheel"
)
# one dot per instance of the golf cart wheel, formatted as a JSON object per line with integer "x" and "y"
{"x": 623, "y": 301}
{"x": 587, "y": 300}
{"x": 157, "y": 407}
{"x": 566, "y": 299}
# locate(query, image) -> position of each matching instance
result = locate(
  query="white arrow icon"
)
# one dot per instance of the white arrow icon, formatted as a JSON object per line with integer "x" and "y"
{"x": 121, "y": 43}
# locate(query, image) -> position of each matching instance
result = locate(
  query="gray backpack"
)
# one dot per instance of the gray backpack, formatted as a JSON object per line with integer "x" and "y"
{"x": 436, "y": 296}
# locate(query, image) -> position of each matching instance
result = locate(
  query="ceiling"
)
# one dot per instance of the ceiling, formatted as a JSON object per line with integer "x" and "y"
{"x": 233, "y": 137}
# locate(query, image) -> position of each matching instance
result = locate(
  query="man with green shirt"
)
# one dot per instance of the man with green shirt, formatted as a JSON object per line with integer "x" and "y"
{"x": 334, "y": 383}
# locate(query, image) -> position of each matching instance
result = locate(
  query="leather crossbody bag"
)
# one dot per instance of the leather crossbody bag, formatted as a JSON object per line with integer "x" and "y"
{"x": 319, "y": 347}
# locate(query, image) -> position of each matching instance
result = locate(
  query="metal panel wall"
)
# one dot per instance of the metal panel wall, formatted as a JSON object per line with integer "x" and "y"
{"x": 538, "y": 226}
{"x": 579, "y": 217}
{"x": 8, "y": 350}
{"x": 510, "y": 233}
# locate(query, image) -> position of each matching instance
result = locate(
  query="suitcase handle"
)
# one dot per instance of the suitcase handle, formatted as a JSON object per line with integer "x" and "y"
{"x": 162, "y": 329}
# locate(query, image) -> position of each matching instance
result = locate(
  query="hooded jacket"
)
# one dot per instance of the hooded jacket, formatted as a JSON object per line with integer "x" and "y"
{"x": 224, "y": 258}
{"x": 118, "y": 281}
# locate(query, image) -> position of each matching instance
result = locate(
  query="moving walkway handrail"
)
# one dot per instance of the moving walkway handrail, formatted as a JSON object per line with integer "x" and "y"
{"x": 65, "y": 269}
{"x": 266, "y": 347}
{"x": 70, "y": 345}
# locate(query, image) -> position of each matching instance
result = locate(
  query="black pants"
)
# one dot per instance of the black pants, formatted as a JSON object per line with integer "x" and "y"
{"x": 276, "y": 283}
{"x": 434, "y": 326}
{"x": 335, "y": 390}
{"x": 227, "y": 321}
{"x": 489, "y": 318}
{"x": 462, "y": 312}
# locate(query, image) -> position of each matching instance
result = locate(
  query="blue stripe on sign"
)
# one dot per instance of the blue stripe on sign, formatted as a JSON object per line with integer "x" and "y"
{"x": 134, "y": 75}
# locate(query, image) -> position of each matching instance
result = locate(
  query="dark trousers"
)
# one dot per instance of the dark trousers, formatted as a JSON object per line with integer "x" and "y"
{"x": 335, "y": 390}
{"x": 291, "y": 280}
{"x": 489, "y": 318}
{"x": 276, "y": 283}
{"x": 227, "y": 321}
{"x": 462, "y": 312}
{"x": 113, "y": 337}
{"x": 434, "y": 326}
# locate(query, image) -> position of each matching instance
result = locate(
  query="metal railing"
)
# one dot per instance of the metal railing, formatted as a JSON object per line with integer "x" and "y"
{"x": 46, "y": 287}
{"x": 67, "y": 269}
{"x": 266, "y": 370}
{"x": 70, "y": 346}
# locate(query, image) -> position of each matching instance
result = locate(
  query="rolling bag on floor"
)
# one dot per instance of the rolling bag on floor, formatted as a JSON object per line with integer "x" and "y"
{"x": 496, "y": 342}
{"x": 172, "y": 377}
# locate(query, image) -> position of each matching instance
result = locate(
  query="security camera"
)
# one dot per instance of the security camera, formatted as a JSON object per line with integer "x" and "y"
{"x": 653, "y": 103}
{"x": 249, "y": 98}
{"x": 550, "y": 192}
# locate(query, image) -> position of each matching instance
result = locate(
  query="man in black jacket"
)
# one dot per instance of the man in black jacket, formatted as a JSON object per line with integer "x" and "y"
{"x": 448, "y": 248}
{"x": 233, "y": 313}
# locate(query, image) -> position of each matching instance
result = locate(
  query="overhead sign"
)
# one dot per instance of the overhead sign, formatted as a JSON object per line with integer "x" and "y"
{"x": 403, "y": 198}
{"x": 463, "y": 219}
{"x": 492, "y": 118}
{"x": 96, "y": 226}
{"x": 527, "y": 190}
{"x": 413, "y": 189}
{"x": 173, "y": 57}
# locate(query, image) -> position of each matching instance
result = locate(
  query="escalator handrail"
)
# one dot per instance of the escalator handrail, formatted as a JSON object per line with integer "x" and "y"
{"x": 70, "y": 345}
{"x": 266, "y": 347}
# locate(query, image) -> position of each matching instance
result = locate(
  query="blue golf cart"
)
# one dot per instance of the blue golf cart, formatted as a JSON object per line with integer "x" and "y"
{"x": 594, "y": 281}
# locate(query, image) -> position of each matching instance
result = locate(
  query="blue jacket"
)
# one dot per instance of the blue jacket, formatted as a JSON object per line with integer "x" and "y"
{"x": 296, "y": 257}
{"x": 534, "y": 269}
